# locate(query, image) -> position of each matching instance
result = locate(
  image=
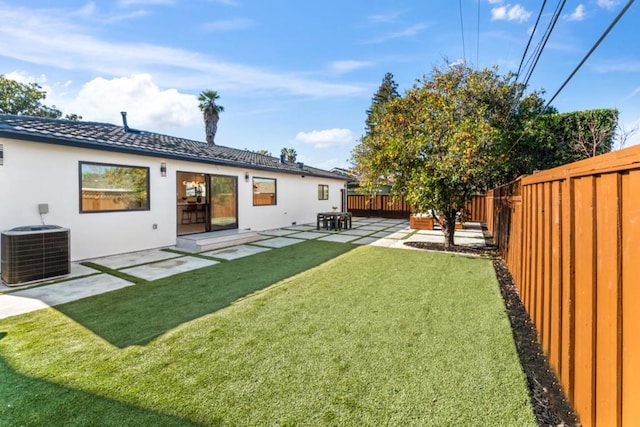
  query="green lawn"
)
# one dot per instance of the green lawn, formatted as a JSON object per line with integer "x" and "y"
{"x": 316, "y": 333}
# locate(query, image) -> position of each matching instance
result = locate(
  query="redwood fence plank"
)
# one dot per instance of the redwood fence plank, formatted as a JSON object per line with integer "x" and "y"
{"x": 584, "y": 379}
{"x": 608, "y": 329}
{"x": 630, "y": 248}
{"x": 571, "y": 244}
{"x": 555, "y": 277}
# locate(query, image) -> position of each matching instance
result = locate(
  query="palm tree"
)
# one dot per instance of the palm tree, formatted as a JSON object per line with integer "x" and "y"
{"x": 289, "y": 154}
{"x": 211, "y": 113}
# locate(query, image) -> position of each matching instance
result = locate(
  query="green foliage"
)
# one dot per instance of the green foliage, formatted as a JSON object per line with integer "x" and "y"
{"x": 210, "y": 113}
{"x": 289, "y": 154}
{"x": 556, "y": 139}
{"x": 440, "y": 143}
{"x": 208, "y": 104}
{"x": 25, "y": 99}
{"x": 387, "y": 92}
{"x": 263, "y": 152}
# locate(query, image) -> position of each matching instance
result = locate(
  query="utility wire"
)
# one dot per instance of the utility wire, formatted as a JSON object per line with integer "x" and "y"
{"x": 545, "y": 39}
{"x": 464, "y": 54}
{"x": 593, "y": 48}
{"x": 478, "y": 38}
{"x": 533, "y": 32}
{"x": 536, "y": 53}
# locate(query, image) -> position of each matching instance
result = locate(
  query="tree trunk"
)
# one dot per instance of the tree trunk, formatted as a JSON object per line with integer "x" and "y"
{"x": 211, "y": 127}
{"x": 449, "y": 228}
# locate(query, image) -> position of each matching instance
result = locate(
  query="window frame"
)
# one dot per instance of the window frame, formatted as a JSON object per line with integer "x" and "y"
{"x": 275, "y": 191}
{"x": 323, "y": 191}
{"x": 146, "y": 202}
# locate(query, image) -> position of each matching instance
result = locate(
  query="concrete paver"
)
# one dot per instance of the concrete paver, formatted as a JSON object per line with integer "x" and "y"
{"x": 308, "y": 235}
{"x": 133, "y": 258}
{"x": 155, "y": 264}
{"x": 169, "y": 267}
{"x": 235, "y": 252}
{"x": 58, "y": 293}
{"x": 278, "y": 232}
{"x": 357, "y": 232}
{"x": 340, "y": 238}
{"x": 278, "y": 242}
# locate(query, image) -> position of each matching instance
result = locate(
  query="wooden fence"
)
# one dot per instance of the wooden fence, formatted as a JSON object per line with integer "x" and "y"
{"x": 380, "y": 205}
{"x": 385, "y": 206}
{"x": 571, "y": 239}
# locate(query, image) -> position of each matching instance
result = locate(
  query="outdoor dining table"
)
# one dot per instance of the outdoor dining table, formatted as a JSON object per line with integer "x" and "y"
{"x": 335, "y": 219}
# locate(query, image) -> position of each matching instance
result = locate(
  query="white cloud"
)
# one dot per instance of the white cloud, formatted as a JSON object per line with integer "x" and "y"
{"x": 387, "y": 18}
{"x": 146, "y": 104}
{"x": 608, "y": 4}
{"x": 406, "y": 33}
{"x": 617, "y": 67}
{"x": 23, "y": 77}
{"x": 578, "y": 14}
{"x": 510, "y": 13}
{"x": 495, "y": 1}
{"x": 51, "y": 38}
{"x": 127, "y": 3}
{"x": 228, "y": 2}
{"x": 228, "y": 25}
{"x": 326, "y": 138}
{"x": 341, "y": 67}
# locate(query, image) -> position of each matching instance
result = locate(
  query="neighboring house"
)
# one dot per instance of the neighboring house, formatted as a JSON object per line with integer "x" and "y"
{"x": 353, "y": 185}
{"x": 119, "y": 190}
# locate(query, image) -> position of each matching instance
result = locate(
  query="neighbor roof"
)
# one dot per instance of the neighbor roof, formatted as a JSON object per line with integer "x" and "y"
{"x": 109, "y": 137}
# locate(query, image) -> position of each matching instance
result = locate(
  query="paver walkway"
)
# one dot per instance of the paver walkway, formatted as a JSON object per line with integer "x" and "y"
{"x": 157, "y": 263}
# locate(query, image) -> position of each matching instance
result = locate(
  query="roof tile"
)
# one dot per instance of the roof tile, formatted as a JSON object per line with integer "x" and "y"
{"x": 106, "y": 136}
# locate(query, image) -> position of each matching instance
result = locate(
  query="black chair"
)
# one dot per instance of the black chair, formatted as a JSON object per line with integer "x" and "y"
{"x": 187, "y": 213}
{"x": 200, "y": 212}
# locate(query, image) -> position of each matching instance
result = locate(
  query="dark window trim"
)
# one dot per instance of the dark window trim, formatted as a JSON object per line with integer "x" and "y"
{"x": 148, "y": 185}
{"x": 324, "y": 194}
{"x": 275, "y": 193}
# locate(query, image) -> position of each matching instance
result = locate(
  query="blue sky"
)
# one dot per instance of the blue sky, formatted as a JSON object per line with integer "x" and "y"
{"x": 300, "y": 74}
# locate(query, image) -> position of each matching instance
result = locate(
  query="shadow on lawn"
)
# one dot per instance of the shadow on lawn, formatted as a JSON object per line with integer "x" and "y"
{"x": 137, "y": 314}
{"x": 29, "y": 401}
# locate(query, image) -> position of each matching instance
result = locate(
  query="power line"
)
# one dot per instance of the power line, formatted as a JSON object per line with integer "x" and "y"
{"x": 584, "y": 59}
{"x": 545, "y": 39}
{"x": 478, "y": 38}
{"x": 526, "y": 49}
{"x": 593, "y": 48}
{"x": 464, "y": 54}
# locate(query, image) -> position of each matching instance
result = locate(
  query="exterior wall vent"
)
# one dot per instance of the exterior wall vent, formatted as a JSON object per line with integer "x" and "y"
{"x": 34, "y": 253}
{"x": 1, "y": 154}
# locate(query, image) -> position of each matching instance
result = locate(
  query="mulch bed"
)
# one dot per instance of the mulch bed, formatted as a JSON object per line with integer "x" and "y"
{"x": 550, "y": 405}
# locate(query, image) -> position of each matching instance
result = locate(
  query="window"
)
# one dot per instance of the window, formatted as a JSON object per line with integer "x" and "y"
{"x": 264, "y": 191}
{"x": 110, "y": 188}
{"x": 323, "y": 192}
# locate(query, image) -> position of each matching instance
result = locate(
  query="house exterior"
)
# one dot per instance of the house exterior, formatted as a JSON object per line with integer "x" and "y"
{"x": 120, "y": 190}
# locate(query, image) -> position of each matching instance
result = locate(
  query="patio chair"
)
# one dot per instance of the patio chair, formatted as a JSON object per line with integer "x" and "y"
{"x": 187, "y": 212}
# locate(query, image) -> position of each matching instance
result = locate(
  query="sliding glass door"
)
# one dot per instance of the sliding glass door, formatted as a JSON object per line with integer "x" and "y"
{"x": 223, "y": 202}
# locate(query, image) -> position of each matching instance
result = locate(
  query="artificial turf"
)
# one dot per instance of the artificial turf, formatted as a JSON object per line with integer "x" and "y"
{"x": 317, "y": 333}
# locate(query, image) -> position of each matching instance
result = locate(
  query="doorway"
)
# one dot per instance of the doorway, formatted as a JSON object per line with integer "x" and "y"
{"x": 205, "y": 202}
{"x": 223, "y": 202}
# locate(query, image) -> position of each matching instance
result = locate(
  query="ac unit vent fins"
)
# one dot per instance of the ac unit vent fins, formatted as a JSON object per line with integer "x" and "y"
{"x": 34, "y": 253}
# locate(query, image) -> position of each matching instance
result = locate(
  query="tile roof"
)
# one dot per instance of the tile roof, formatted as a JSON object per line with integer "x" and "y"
{"x": 109, "y": 137}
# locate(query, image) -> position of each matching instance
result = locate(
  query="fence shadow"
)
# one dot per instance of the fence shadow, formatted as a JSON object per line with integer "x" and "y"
{"x": 31, "y": 401}
{"x": 137, "y": 314}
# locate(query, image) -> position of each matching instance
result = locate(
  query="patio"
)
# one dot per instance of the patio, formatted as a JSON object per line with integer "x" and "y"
{"x": 155, "y": 264}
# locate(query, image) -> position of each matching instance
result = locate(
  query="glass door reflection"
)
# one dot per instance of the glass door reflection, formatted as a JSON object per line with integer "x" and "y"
{"x": 223, "y": 202}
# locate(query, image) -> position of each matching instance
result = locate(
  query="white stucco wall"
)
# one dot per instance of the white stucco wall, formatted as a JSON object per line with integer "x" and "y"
{"x": 36, "y": 173}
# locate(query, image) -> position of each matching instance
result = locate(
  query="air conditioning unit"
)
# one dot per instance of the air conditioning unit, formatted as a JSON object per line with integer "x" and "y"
{"x": 34, "y": 253}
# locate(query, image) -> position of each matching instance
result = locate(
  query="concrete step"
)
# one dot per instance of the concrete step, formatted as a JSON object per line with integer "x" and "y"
{"x": 215, "y": 240}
